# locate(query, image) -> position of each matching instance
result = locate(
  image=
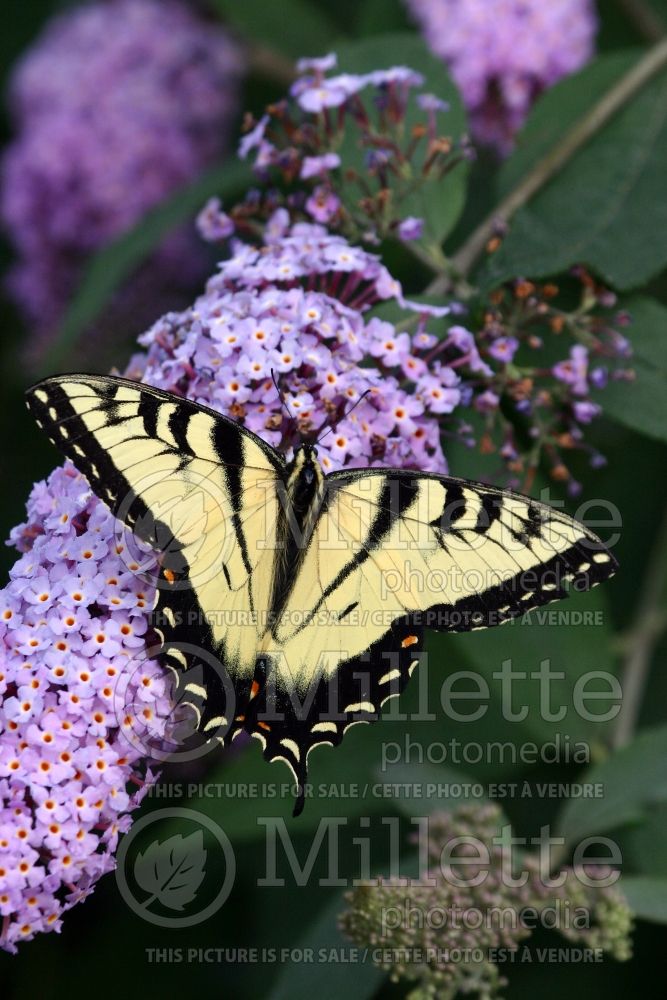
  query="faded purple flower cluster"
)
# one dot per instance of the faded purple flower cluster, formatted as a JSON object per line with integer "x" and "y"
{"x": 523, "y": 330}
{"x": 503, "y": 53}
{"x": 433, "y": 916}
{"x": 389, "y": 135}
{"x": 76, "y": 690}
{"x": 446, "y": 930}
{"x": 116, "y": 105}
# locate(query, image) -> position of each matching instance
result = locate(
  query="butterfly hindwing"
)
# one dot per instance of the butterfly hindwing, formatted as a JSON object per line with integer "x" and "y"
{"x": 290, "y": 722}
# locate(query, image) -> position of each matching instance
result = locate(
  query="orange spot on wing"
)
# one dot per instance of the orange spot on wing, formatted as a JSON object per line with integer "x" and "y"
{"x": 240, "y": 718}
{"x": 169, "y": 575}
{"x": 264, "y": 725}
{"x": 254, "y": 689}
{"x": 409, "y": 640}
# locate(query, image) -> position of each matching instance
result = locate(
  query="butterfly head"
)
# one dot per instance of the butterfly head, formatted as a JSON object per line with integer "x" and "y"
{"x": 305, "y": 475}
{"x": 305, "y": 465}
{"x": 309, "y": 463}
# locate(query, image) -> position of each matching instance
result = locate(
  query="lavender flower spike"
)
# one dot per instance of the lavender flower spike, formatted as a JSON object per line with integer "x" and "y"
{"x": 144, "y": 92}
{"x": 75, "y": 673}
{"x": 503, "y": 53}
{"x": 73, "y": 621}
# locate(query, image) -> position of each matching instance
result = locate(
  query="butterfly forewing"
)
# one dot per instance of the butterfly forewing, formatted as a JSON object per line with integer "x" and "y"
{"x": 454, "y": 555}
{"x": 198, "y": 490}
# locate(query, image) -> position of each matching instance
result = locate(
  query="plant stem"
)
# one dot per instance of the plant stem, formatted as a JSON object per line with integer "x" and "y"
{"x": 641, "y": 640}
{"x": 424, "y": 257}
{"x": 554, "y": 161}
{"x": 647, "y": 21}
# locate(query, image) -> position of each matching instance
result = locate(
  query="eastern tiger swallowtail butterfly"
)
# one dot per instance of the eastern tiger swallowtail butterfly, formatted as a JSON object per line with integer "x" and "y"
{"x": 311, "y": 591}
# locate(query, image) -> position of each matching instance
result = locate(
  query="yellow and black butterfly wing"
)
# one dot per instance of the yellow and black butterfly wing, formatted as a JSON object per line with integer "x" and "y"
{"x": 202, "y": 492}
{"x": 456, "y": 555}
{"x": 392, "y": 552}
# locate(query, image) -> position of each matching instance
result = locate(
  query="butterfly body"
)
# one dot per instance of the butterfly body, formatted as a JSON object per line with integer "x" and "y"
{"x": 306, "y": 593}
{"x": 299, "y": 503}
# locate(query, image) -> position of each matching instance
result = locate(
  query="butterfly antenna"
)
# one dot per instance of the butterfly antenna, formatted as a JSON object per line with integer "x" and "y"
{"x": 346, "y": 414}
{"x": 281, "y": 396}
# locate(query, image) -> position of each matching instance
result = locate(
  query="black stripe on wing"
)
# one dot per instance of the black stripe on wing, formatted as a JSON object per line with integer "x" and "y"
{"x": 574, "y": 570}
{"x": 202, "y": 684}
{"x": 50, "y": 404}
{"x": 49, "y": 401}
{"x": 396, "y": 497}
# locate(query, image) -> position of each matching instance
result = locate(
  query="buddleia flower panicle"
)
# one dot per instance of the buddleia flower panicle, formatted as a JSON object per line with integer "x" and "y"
{"x": 301, "y": 306}
{"x": 532, "y": 409}
{"x": 445, "y": 930}
{"x": 73, "y": 618}
{"x": 144, "y": 92}
{"x": 301, "y": 150}
{"x": 503, "y": 53}
{"x": 524, "y": 363}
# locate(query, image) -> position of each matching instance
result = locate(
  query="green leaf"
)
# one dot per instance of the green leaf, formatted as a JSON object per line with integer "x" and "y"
{"x": 112, "y": 265}
{"x": 438, "y": 202}
{"x": 632, "y": 779}
{"x": 341, "y": 781}
{"x": 606, "y": 208}
{"x": 558, "y": 109}
{"x": 346, "y": 781}
{"x": 647, "y": 896}
{"x": 378, "y": 16}
{"x": 294, "y": 27}
{"x": 642, "y": 404}
{"x": 575, "y": 638}
{"x": 644, "y": 846}
{"x": 332, "y": 979}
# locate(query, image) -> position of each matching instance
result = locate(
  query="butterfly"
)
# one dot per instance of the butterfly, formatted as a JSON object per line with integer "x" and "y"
{"x": 306, "y": 593}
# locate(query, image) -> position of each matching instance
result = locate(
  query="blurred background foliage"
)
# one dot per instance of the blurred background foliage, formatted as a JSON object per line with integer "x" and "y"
{"x": 607, "y": 208}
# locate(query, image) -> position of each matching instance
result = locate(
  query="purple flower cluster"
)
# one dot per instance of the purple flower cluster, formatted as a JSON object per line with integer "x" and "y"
{"x": 314, "y": 92}
{"x": 296, "y": 306}
{"x": 76, "y": 691}
{"x": 521, "y": 328}
{"x": 116, "y": 105}
{"x": 495, "y": 363}
{"x": 82, "y": 703}
{"x": 395, "y": 131}
{"x": 503, "y": 53}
